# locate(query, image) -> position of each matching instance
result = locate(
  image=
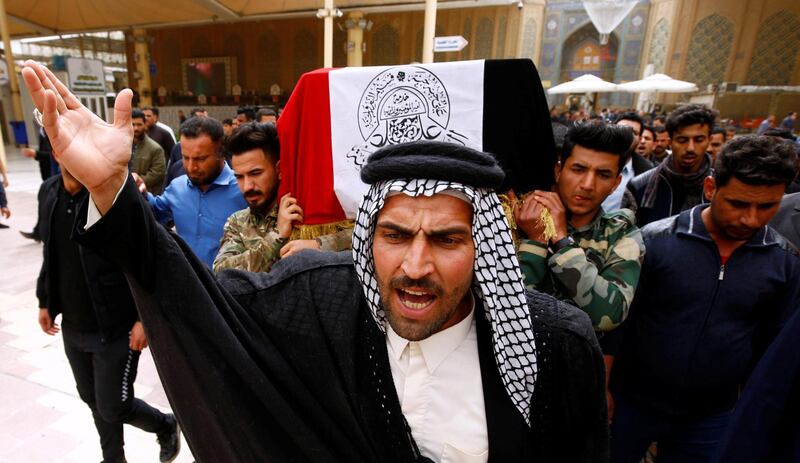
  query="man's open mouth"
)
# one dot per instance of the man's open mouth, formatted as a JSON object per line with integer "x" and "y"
{"x": 415, "y": 299}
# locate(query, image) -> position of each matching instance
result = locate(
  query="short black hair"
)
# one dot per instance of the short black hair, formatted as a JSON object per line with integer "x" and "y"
{"x": 194, "y": 111}
{"x": 151, "y": 108}
{"x": 254, "y": 135}
{"x": 196, "y": 126}
{"x": 249, "y": 113}
{"x": 649, "y": 129}
{"x": 137, "y": 114}
{"x": 690, "y": 114}
{"x": 631, "y": 116}
{"x": 227, "y": 121}
{"x": 786, "y": 134}
{"x": 266, "y": 112}
{"x": 599, "y": 136}
{"x": 661, "y": 118}
{"x": 719, "y": 130}
{"x": 659, "y": 129}
{"x": 756, "y": 160}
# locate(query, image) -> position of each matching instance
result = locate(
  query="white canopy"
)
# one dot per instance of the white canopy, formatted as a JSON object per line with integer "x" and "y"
{"x": 586, "y": 83}
{"x": 661, "y": 83}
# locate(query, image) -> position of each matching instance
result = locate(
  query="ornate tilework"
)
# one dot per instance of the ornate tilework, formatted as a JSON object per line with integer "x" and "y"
{"x": 776, "y": 49}
{"x": 658, "y": 45}
{"x": 483, "y": 39}
{"x": 529, "y": 39}
{"x": 709, "y": 50}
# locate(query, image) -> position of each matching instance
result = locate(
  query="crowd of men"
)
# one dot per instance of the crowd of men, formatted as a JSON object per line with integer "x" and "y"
{"x": 655, "y": 274}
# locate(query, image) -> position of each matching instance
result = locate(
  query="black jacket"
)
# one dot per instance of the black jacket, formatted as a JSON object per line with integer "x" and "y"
{"x": 787, "y": 220}
{"x": 111, "y": 298}
{"x": 290, "y": 365}
{"x": 665, "y": 198}
{"x": 696, "y": 327}
{"x": 640, "y": 165}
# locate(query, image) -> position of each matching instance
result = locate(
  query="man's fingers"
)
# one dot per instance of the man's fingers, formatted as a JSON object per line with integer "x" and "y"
{"x": 50, "y": 116}
{"x": 49, "y": 85}
{"x": 122, "y": 109}
{"x": 33, "y": 83}
{"x": 70, "y": 100}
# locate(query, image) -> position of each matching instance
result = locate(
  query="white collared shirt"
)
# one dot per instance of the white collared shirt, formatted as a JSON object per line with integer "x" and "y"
{"x": 614, "y": 201}
{"x": 438, "y": 383}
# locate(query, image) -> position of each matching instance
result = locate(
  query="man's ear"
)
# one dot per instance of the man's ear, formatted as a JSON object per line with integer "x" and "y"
{"x": 709, "y": 187}
{"x": 557, "y": 170}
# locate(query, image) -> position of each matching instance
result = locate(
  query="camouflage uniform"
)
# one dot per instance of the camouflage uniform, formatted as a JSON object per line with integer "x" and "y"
{"x": 251, "y": 242}
{"x": 599, "y": 273}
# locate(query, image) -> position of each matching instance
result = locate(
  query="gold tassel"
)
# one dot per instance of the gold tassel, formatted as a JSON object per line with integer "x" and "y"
{"x": 545, "y": 216}
{"x": 309, "y": 232}
{"x": 549, "y": 226}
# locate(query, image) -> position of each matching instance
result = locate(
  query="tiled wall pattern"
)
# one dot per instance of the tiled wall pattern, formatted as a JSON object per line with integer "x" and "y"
{"x": 774, "y": 57}
{"x": 658, "y": 45}
{"x": 709, "y": 50}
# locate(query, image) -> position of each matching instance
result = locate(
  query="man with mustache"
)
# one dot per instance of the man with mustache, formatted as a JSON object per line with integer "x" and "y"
{"x": 716, "y": 287}
{"x": 257, "y": 237}
{"x": 420, "y": 346}
{"x": 595, "y": 256}
{"x": 677, "y": 183}
{"x": 661, "y": 144}
{"x": 202, "y": 199}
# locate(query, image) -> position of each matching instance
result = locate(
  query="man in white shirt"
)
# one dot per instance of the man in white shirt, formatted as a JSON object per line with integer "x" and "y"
{"x": 422, "y": 345}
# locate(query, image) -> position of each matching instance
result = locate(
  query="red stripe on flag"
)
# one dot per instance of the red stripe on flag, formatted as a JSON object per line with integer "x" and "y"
{"x": 306, "y": 161}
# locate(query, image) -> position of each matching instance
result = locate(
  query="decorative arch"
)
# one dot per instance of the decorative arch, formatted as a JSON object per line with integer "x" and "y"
{"x": 483, "y": 38}
{"x": 775, "y": 53}
{"x": 529, "y": 39}
{"x": 466, "y": 53}
{"x": 306, "y": 56}
{"x": 269, "y": 62}
{"x": 386, "y": 46}
{"x": 709, "y": 50}
{"x": 658, "y": 45}
{"x": 500, "y": 46}
{"x": 234, "y": 46}
{"x": 583, "y": 54}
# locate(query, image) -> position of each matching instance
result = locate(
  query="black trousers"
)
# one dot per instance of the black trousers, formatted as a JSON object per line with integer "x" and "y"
{"x": 104, "y": 374}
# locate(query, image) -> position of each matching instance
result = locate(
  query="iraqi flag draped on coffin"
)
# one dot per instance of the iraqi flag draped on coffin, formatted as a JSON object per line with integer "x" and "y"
{"x": 336, "y": 118}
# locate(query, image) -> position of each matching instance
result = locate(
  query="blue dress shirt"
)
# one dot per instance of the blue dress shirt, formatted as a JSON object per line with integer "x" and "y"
{"x": 199, "y": 215}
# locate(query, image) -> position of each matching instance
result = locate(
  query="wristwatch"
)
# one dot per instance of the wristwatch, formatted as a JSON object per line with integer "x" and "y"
{"x": 561, "y": 244}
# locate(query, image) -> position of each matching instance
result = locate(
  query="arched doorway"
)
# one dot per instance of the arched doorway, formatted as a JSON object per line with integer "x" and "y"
{"x": 583, "y": 54}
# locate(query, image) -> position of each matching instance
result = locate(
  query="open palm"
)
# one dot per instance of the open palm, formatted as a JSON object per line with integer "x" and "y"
{"x": 95, "y": 152}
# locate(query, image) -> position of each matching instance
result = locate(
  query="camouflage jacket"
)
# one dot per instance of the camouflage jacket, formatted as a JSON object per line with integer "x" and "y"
{"x": 599, "y": 273}
{"x": 251, "y": 242}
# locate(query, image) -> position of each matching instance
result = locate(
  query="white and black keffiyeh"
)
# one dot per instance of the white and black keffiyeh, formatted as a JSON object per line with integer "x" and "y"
{"x": 498, "y": 280}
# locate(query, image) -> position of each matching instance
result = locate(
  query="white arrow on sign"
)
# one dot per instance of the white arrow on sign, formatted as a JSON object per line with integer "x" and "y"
{"x": 449, "y": 43}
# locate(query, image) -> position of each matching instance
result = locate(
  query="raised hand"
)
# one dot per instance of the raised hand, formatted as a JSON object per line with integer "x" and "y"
{"x": 95, "y": 152}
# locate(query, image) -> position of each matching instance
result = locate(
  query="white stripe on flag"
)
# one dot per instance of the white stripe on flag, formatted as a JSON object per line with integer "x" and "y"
{"x": 372, "y": 107}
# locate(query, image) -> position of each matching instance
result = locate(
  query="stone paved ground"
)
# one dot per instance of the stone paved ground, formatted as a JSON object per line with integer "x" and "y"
{"x": 42, "y": 420}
